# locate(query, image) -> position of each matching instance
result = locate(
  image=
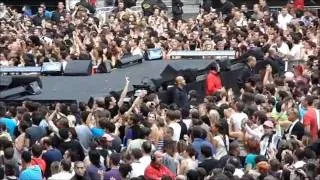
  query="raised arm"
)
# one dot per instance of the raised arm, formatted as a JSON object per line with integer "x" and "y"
{"x": 124, "y": 92}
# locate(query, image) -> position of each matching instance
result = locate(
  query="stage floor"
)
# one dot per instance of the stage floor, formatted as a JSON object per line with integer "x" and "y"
{"x": 80, "y": 88}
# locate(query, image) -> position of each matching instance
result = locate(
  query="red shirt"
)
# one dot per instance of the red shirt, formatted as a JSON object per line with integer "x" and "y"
{"x": 299, "y": 4}
{"x": 155, "y": 173}
{"x": 310, "y": 119}
{"x": 213, "y": 83}
{"x": 40, "y": 162}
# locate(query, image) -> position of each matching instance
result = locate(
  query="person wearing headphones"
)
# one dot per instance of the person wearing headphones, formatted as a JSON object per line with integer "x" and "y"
{"x": 156, "y": 170}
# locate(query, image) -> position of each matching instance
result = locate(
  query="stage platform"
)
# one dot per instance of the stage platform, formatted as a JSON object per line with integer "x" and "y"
{"x": 80, "y": 88}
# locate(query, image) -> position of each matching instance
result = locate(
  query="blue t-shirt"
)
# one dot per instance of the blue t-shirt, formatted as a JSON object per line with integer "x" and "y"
{"x": 97, "y": 132}
{"x": 10, "y": 124}
{"x": 33, "y": 172}
{"x": 250, "y": 160}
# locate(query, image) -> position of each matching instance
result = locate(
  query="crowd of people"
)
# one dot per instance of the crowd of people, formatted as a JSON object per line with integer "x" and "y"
{"x": 269, "y": 130}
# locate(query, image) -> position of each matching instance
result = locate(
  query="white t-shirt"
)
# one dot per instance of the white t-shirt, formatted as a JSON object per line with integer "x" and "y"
{"x": 283, "y": 21}
{"x": 176, "y": 130}
{"x": 284, "y": 49}
{"x": 222, "y": 146}
{"x": 187, "y": 122}
{"x": 137, "y": 169}
{"x": 236, "y": 119}
{"x": 61, "y": 176}
{"x": 145, "y": 160}
{"x": 296, "y": 52}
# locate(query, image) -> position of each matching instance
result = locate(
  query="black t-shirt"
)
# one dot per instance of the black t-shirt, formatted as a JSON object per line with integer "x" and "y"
{"x": 184, "y": 129}
{"x": 74, "y": 147}
{"x": 209, "y": 164}
{"x": 114, "y": 111}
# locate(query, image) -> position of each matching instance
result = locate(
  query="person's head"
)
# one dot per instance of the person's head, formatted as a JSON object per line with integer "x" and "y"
{"x": 284, "y": 11}
{"x": 196, "y": 132}
{"x": 190, "y": 151}
{"x": 234, "y": 161}
{"x": 121, "y": 5}
{"x": 218, "y": 127}
{"x": 110, "y": 127}
{"x": 55, "y": 167}
{"x": 40, "y": 10}
{"x": 36, "y": 150}
{"x": 239, "y": 106}
{"x": 180, "y": 81}
{"x": 252, "y": 61}
{"x": 293, "y": 114}
{"x": 26, "y": 158}
{"x": 168, "y": 133}
{"x": 169, "y": 147}
{"x": 234, "y": 148}
{"x": 60, "y": 5}
{"x": 65, "y": 165}
{"x": 308, "y": 101}
{"x": 156, "y": 158}
{"x": 262, "y": 3}
{"x": 274, "y": 165}
{"x": 136, "y": 154}
{"x": 37, "y": 117}
{"x": 268, "y": 127}
{"x": 253, "y": 146}
{"x": 8, "y": 153}
{"x": 64, "y": 133}
{"x": 124, "y": 170}
{"x": 94, "y": 157}
{"x": 110, "y": 101}
{"x": 151, "y": 117}
{"x": 80, "y": 169}
{"x": 206, "y": 151}
{"x": 146, "y": 147}
{"x": 259, "y": 117}
{"x": 46, "y": 142}
{"x": 114, "y": 159}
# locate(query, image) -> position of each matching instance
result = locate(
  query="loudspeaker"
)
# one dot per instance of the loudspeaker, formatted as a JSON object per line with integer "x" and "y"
{"x": 51, "y": 68}
{"x": 129, "y": 60}
{"x": 5, "y": 81}
{"x": 104, "y": 67}
{"x": 190, "y": 69}
{"x": 78, "y": 68}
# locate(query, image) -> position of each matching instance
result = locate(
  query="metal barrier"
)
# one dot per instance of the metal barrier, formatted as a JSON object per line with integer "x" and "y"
{"x": 314, "y": 8}
{"x": 289, "y": 65}
{"x": 229, "y": 54}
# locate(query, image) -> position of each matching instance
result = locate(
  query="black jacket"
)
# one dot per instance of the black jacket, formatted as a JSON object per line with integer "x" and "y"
{"x": 180, "y": 98}
{"x": 226, "y": 7}
{"x": 56, "y": 15}
{"x": 177, "y": 7}
{"x": 297, "y": 130}
{"x": 209, "y": 164}
{"x": 37, "y": 19}
{"x": 245, "y": 75}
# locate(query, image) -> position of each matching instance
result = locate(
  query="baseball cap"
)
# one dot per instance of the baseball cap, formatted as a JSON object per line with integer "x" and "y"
{"x": 108, "y": 137}
{"x": 268, "y": 124}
